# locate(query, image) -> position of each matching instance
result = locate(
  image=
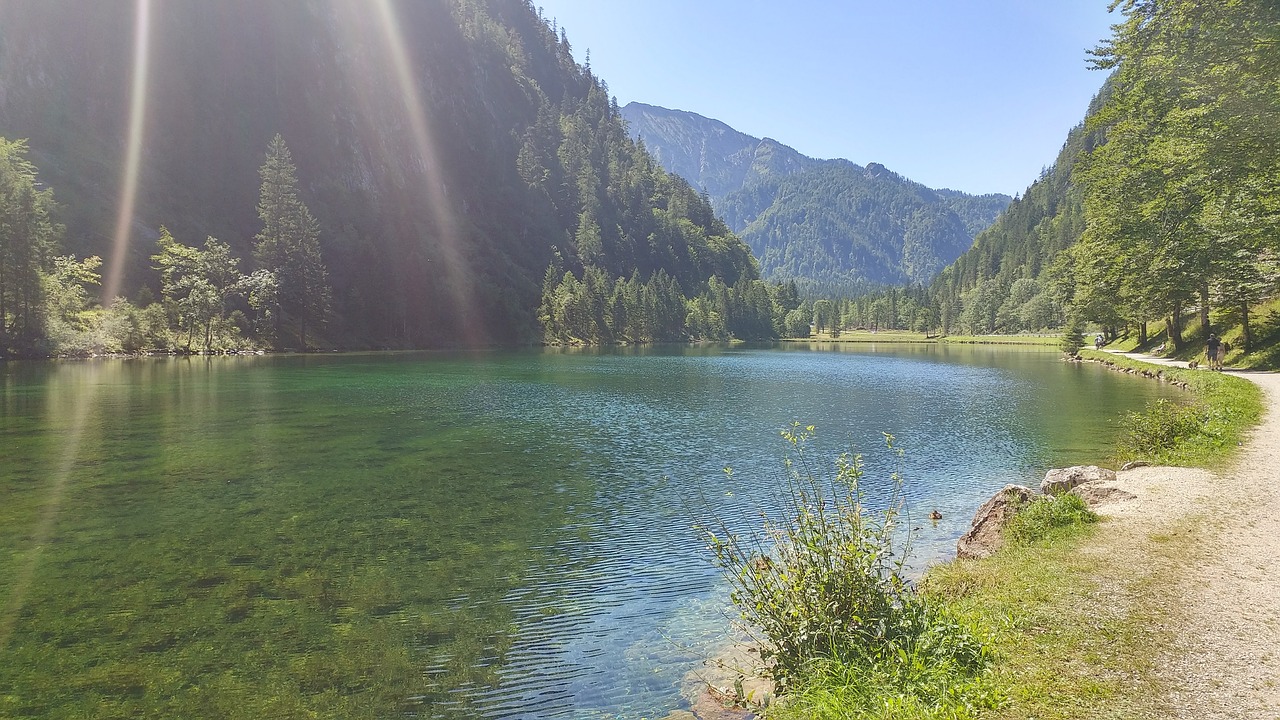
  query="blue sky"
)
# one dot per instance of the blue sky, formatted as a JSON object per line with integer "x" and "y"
{"x": 974, "y": 95}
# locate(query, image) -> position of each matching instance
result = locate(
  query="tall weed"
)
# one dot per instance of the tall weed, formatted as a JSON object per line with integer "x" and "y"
{"x": 1159, "y": 427}
{"x": 823, "y": 588}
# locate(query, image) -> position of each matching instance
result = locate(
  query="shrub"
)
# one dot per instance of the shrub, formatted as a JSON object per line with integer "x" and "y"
{"x": 1161, "y": 426}
{"x": 824, "y": 587}
{"x": 1047, "y": 513}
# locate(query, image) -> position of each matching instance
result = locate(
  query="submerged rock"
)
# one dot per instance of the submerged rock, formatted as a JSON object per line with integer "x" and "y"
{"x": 1060, "y": 480}
{"x": 986, "y": 533}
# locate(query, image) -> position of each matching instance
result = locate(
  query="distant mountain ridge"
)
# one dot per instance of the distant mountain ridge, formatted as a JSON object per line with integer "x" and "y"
{"x": 830, "y": 223}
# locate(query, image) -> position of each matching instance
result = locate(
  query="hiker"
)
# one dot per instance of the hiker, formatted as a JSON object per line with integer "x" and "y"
{"x": 1211, "y": 353}
{"x": 1098, "y": 343}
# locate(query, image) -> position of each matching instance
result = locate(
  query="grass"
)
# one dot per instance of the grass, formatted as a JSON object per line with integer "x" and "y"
{"x": 902, "y": 336}
{"x": 1075, "y": 635}
{"x": 1265, "y": 324}
{"x": 1045, "y": 516}
{"x": 1072, "y": 633}
{"x": 1044, "y": 340}
{"x": 1226, "y": 405}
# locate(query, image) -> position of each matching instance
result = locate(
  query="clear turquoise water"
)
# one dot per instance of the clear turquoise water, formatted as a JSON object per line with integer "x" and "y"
{"x": 454, "y": 536}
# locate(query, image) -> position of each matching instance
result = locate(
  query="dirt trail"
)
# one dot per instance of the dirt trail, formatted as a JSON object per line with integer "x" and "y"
{"x": 1226, "y": 662}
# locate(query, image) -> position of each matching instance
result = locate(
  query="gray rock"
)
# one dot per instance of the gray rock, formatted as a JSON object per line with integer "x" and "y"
{"x": 986, "y": 533}
{"x": 1061, "y": 480}
{"x": 1095, "y": 494}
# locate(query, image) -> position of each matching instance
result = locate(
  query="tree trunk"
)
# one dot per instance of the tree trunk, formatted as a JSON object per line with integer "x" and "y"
{"x": 1142, "y": 333}
{"x": 1204, "y": 310}
{"x": 1175, "y": 327}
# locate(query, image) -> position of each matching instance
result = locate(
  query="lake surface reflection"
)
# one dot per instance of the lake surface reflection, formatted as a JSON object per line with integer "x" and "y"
{"x": 455, "y": 536}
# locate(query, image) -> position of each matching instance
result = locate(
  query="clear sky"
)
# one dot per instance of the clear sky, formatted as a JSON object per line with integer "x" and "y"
{"x": 973, "y": 95}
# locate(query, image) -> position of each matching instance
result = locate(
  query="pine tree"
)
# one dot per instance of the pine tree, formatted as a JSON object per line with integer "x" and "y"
{"x": 27, "y": 240}
{"x": 289, "y": 245}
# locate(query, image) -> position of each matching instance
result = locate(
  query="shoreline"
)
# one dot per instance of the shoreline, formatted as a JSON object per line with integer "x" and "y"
{"x": 1223, "y": 661}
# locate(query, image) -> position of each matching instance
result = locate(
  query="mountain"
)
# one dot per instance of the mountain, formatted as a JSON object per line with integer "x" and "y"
{"x": 450, "y": 150}
{"x": 1015, "y": 277}
{"x": 831, "y": 223}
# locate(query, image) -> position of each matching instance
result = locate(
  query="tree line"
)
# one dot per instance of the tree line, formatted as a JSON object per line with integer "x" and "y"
{"x": 1182, "y": 200}
{"x": 597, "y": 309}
{"x": 206, "y": 303}
{"x": 1163, "y": 204}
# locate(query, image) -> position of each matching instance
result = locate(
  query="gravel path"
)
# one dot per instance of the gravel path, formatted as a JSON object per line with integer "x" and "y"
{"x": 1226, "y": 661}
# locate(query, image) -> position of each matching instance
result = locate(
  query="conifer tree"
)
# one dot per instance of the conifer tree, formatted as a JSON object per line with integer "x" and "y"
{"x": 27, "y": 239}
{"x": 289, "y": 246}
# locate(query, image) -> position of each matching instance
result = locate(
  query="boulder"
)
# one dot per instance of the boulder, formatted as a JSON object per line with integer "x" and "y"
{"x": 1061, "y": 480}
{"x": 1095, "y": 494}
{"x": 985, "y": 534}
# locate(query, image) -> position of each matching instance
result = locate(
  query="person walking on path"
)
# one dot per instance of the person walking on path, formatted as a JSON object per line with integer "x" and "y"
{"x": 1212, "y": 352}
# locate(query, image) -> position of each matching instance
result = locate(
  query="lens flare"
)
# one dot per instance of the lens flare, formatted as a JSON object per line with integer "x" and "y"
{"x": 133, "y": 151}
{"x": 82, "y": 400}
{"x": 457, "y": 278}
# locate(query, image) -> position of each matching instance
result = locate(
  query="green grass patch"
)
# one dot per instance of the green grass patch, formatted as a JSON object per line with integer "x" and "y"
{"x": 1042, "y": 340}
{"x": 1046, "y": 516}
{"x": 1074, "y": 635}
{"x": 902, "y": 336}
{"x": 866, "y": 336}
{"x": 1224, "y": 407}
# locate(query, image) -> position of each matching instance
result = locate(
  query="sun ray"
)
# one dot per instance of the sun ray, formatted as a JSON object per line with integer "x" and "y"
{"x": 133, "y": 151}
{"x": 457, "y": 278}
{"x": 82, "y": 401}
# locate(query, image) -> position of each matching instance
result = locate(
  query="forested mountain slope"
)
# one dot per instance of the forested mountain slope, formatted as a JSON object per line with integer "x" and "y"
{"x": 1165, "y": 201}
{"x": 1008, "y": 280}
{"x": 831, "y": 223}
{"x": 450, "y": 150}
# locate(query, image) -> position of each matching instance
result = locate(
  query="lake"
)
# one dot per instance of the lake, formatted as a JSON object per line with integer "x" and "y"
{"x": 472, "y": 535}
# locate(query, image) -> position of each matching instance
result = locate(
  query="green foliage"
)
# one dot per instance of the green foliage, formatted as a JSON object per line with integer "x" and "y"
{"x": 1180, "y": 200}
{"x": 1162, "y": 426}
{"x": 824, "y": 588}
{"x": 28, "y": 239}
{"x": 1228, "y": 406}
{"x": 1072, "y": 336}
{"x": 289, "y": 246}
{"x": 597, "y": 309}
{"x": 1045, "y": 515}
{"x": 69, "y": 320}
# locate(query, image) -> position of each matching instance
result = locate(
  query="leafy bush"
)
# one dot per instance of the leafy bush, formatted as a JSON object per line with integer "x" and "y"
{"x": 1161, "y": 426}
{"x": 1047, "y": 513}
{"x": 825, "y": 590}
